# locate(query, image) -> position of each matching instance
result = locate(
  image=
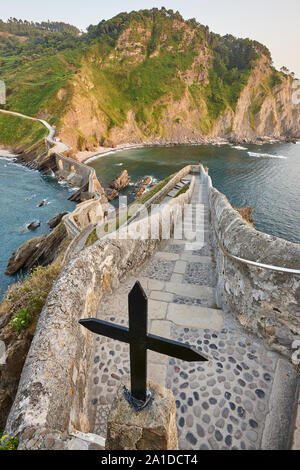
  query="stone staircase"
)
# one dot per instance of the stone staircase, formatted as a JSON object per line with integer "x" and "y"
{"x": 225, "y": 403}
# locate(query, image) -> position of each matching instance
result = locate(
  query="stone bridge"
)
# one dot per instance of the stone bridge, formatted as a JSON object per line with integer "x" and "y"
{"x": 245, "y": 397}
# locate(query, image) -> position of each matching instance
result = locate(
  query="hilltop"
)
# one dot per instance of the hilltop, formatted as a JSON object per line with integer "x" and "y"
{"x": 141, "y": 77}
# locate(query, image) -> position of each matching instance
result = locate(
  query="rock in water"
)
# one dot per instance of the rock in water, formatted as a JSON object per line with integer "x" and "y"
{"x": 56, "y": 220}
{"x": 22, "y": 254}
{"x": 33, "y": 225}
{"x": 111, "y": 194}
{"x": 76, "y": 196}
{"x": 141, "y": 186}
{"x": 43, "y": 203}
{"x": 121, "y": 182}
{"x": 39, "y": 251}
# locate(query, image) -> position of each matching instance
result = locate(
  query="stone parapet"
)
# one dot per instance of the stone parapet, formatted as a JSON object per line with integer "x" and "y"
{"x": 265, "y": 301}
{"x": 52, "y": 389}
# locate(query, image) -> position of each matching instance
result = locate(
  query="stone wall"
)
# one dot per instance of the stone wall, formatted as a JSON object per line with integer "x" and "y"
{"x": 264, "y": 301}
{"x": 87, "y": 212}
{"x": 81, "y": 222}
{"x": 83, "y": 176}
{"x": 76, "y": 173}
{"x": 52, "y": 390}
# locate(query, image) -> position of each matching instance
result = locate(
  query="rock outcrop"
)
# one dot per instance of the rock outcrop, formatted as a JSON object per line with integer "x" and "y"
{"x": 17, "y": 346}
{"x": 263, "y": 105}
{"x": 153, "y": 428}
{"x": 56, "y": 220}
{"x": 42, "y": 203}
{"x": 33, "y": 225}
{"x": 117, "y": 185}
{"x": 141, "y": 186}
{"x": 121, "y": 182}
{"x": 111, "y": 194}
{"x": 23, "y": 254}
{"x": 39, "y": 251}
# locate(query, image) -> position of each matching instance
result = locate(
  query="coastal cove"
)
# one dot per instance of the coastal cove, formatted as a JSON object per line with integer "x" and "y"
{"x": 21, "y": 192}
{"x": 265, "y": 177}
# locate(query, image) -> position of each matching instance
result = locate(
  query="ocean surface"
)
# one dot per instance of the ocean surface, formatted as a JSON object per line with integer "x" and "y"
{"x": 21, "y": 190}
{"x": 266, "y": 177}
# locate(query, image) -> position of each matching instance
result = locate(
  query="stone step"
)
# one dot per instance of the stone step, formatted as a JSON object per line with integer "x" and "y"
{"x": 195, "y": 215}
{"x": 157, "y": 311}
{"x": 186, "y": 256}
{"x": 166, "y": 256}
{"x": 195, "y": 317}
{"x": 200, "y": 226}
{"x": 191, "y": 236}
{"x": 189, "y": 290}
{"x": 181, "y": 259}
{"x": 173, "y": 193}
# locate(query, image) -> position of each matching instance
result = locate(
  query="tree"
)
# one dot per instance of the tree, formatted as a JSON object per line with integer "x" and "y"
{"x": 284, "y": 70}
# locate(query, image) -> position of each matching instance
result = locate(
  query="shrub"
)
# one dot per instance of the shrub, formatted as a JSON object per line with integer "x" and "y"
{"x": 246, "y": 213}
{"x": 21, "y": 319}
{"x": 26, "y": 299}
{"x": 8, "y": 443}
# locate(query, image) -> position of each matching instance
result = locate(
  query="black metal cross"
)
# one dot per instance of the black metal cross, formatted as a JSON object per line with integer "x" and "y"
{"x": 136, "y": 335}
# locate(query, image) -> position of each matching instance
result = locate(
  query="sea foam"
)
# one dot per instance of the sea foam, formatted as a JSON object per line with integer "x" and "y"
{"x": 265, "y": 155}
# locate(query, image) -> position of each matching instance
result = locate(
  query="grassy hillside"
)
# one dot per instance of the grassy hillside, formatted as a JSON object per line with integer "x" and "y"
{"x": 140, "y": 63}
{"x": 27, "y": 132}
{"x": 34, "y": 69}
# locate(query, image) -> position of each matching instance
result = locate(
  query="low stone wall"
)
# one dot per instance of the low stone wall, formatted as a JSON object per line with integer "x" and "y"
{"x": 52, "y": 390}
{"x": 83, "y": 219}
{"x": 86, "y": 213}
{"x": 76, "y": 173}
{"x": 264, "y": 301}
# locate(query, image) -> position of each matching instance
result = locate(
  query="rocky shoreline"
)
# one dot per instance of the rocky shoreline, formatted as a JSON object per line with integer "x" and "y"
{"x": 88, "y": 156}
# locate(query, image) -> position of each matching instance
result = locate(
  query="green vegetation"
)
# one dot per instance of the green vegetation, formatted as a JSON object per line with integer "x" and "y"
{"x": 233, "y": 61}
{"x": 21, "y": 319}
{"x": 259, "y": 95}
{"x": 34, "y": 71}
{"x": 27, "y": 131}
{"x": 24, "y": 37}
{"x": 141, "y": 70}
{"x": 8, "y": 443}
{"x": 124, "y": 216}
{"x": 26, "y": 299}
{"x": 275, "y": 79}
{"x": 158, "y": 187}
{"x": 182, "y": 190}
{"x": 92, "y": 238}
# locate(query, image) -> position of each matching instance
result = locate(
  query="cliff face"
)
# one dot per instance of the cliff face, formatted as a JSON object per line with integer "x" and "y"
{"x": 151, "y": 77}
{"x": 111, "y": 102}
{"x": 263, "y": 110}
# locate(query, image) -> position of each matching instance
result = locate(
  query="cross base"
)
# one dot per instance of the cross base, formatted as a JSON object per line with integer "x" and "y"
{"x": 137, "y": 405}
{"x": 153, "y": 428}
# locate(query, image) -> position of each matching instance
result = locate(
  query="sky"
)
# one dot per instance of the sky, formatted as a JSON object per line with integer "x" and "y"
{"x": 275, "y": 23}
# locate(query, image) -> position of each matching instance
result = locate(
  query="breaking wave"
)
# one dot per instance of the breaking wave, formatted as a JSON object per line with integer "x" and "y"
{"x": 265, "y": 155}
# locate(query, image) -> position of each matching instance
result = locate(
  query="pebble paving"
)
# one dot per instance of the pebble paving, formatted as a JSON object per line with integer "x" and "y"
{"x": 223, "y": 403}
{"x": 220, "y": 404}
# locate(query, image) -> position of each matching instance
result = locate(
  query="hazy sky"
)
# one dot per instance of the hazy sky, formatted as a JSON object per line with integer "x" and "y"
{"x": 276, "y": 23}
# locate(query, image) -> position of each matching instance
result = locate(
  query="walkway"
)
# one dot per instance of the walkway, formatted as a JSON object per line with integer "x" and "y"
{"x": 58, "y": 146}
{"x": 242, "y": 398}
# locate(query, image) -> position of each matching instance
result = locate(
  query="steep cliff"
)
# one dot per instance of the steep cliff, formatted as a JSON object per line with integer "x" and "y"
{"x": 151, "y": 77}
{"x": 168, "y": 80}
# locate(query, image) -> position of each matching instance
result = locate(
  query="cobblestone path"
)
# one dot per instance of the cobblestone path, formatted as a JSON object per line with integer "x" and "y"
{"x": 241, "y": 398}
